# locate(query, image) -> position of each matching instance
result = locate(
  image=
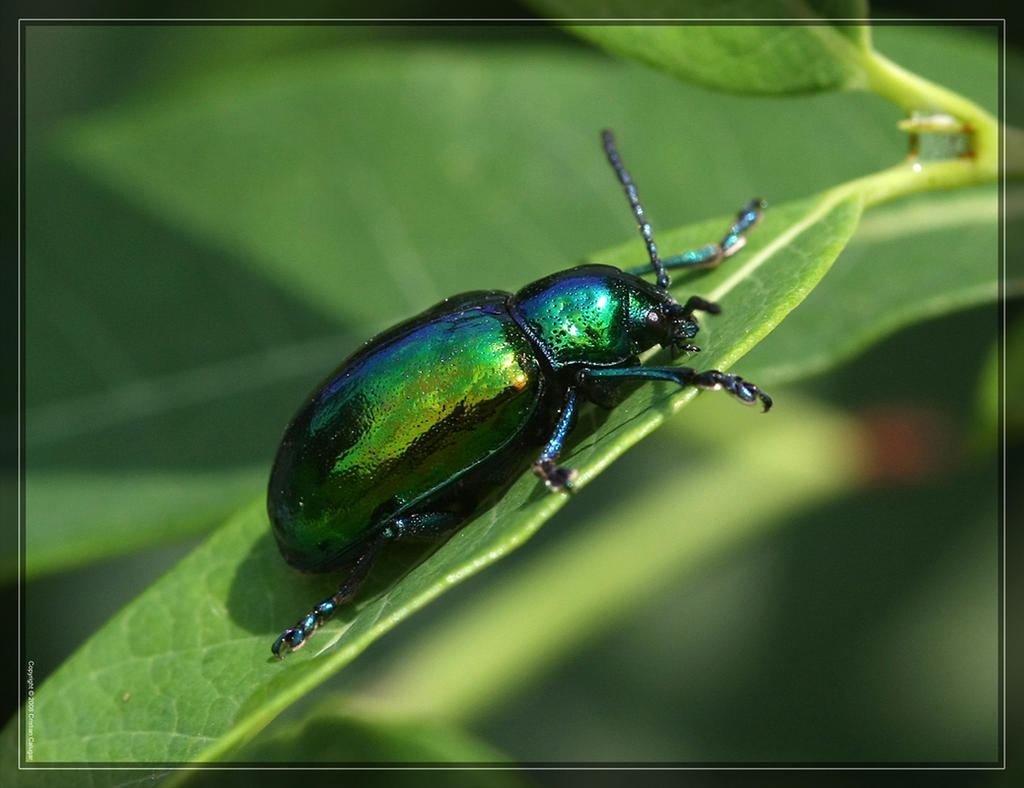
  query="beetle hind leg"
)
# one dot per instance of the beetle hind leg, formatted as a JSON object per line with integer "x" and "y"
{"x": 413, "y": 526}
{"x": 294, "y": 638}
{"x": 556, "y": 477}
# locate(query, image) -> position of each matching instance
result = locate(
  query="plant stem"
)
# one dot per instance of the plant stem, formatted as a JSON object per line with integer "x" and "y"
{"x": 915, "y": 93}
{"x": 911, "y": 177}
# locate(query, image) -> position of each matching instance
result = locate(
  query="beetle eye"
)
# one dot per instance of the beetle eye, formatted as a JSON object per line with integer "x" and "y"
{"x": 653, "y": 320}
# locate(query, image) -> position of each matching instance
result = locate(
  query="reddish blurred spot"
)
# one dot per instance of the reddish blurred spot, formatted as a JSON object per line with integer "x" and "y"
{"x": 905, "y": 443}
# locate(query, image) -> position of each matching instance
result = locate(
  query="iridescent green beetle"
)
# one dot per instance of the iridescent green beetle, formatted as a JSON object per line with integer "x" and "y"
{"x": 433, "y": 419}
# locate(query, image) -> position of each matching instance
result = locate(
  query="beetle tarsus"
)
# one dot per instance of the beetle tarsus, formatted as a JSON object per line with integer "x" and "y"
{"x": 291, "y": 639}
{"x": 296, "y": 637}
{"x": 746, "y": 392}
{"x": 556, "y": 477}
{"x": 686, "y": 347}
{"x": 711, "y": 254}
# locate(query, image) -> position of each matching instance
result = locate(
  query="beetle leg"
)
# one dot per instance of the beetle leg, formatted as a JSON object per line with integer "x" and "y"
{"x": 555, "y": 476}
{"x": 420, "y": 526}
{"x": 745, "y": 391}
{"x": 412, "y": 525}
{"x": 294, "y": 638}
{"x": 711, "y": 255}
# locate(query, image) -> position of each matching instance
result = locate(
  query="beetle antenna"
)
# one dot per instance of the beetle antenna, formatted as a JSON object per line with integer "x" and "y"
{"x": 638, "y": 210}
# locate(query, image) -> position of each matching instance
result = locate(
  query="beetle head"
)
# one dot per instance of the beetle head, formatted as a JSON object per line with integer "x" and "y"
{"x": 671, "y": 324}
{"x": 684, "y": 324}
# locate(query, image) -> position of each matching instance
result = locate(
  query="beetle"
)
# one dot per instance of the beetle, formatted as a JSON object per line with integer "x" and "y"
{"x": 431, "y": 420}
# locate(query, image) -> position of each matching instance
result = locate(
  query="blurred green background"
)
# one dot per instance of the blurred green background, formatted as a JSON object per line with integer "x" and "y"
{"x": 201, "y": 203}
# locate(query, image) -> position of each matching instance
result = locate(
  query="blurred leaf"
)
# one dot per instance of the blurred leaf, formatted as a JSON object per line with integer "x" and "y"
{"x": 966, "y": 65}
{"x": 742, "y": 58}
{"x": 162, "y": 56}
{"x": 325, "y": 738}
{"x": 329, "y": 738}
{"x": 191, "y": 653}
{"x": 991, "y": 383}
{"x": 860, "y": 628}
{"x": 77, "y": 517}
{"x": 273, "y": 192}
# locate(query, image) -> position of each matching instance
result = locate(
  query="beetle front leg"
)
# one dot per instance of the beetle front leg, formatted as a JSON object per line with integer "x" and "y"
{"x": 710, "y": 255}
{"x": 746, "y": 392}
{"x": 555, "y": 476}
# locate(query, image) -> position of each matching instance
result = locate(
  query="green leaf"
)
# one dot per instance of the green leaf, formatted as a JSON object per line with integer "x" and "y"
{"x": 909, "y": 261}
{"x": 327, "y": 737}
{"x": 187, "y": 661}
{"x": 154, "y": 370}
{"x": 742, "y": 58}
{"x": 274, "y": 192}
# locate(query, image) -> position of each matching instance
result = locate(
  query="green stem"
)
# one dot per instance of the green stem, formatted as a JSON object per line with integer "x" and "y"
{"x": 911, "y": 177}
{"x": 915, "y": 93}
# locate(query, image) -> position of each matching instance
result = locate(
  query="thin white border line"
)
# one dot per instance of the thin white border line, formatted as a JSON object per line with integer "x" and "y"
{"x": 1002, "y": 400}
{"x": 1003, "y": 189}
{"x": 21, "y": 470}
{"x": 545, "y": 20}
{"x": 512, "y": 768}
